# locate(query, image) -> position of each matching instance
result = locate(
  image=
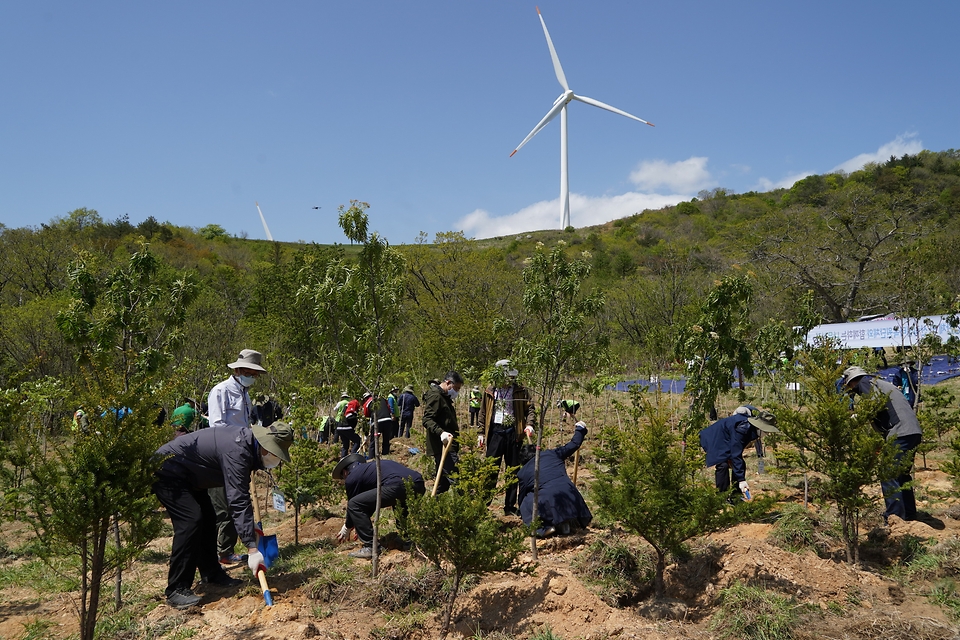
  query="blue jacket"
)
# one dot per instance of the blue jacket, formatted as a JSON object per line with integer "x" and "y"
{"x": 725, "y": 440}
{"x": 363, "y": 477}
{"x": 558, "y": 500}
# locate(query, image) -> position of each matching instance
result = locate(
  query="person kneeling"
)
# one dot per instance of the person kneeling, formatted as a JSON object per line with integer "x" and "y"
{"x": 559, "y": 503}
{"x": 360, "y": 481}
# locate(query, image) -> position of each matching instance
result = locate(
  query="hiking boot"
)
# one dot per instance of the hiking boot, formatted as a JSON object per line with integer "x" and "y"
{"x": 183, "y": 598}
{"x": 363, "y": 552}
{"x": 511, "y": 511}
{"x": 222, "y": 579}
{"x": 545, "y": 532}
{"x": 232, "y": 559}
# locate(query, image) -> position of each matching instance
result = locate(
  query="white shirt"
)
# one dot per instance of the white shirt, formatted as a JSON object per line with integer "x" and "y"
{"x": 229, "y": 404}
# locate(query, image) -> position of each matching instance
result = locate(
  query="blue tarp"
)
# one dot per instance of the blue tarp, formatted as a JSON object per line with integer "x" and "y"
{"x": 939, "y": 368}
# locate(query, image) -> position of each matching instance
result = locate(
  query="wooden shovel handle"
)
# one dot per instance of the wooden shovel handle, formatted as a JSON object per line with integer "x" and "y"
{"x": 443, "y": 459}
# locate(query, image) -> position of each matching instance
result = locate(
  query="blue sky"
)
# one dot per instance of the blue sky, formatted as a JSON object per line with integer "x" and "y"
{"x": 192, "y": 111}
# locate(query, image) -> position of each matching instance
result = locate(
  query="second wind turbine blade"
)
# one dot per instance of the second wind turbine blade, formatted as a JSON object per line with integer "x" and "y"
{"x": 603, "y": 105}
{"x": 554, "y": 110}
{"x": 266, "y": 229}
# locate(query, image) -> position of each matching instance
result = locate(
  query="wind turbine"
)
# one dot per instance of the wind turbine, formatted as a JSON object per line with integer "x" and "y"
{"x": 266, "y": 229}
{"x": 560, "y": 106}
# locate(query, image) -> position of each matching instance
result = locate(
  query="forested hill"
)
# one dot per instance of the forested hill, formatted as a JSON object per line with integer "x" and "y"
{"x": 882, "y": 240}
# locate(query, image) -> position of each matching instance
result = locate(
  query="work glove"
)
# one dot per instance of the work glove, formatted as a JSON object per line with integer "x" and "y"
{"x": 343, "y": 534}
{"x": 581, "y": 425}
{"x": 745, "y": 489}
{"x": 480, "y": 440}
{"x": 528, "y": 431}
{"x": 256, "y": 563}
{"x": 445, "y": 436}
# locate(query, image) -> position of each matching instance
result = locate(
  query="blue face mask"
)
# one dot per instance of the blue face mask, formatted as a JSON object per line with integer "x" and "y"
{"x": 246, "y": 381}
{"x": 453, "y": 393}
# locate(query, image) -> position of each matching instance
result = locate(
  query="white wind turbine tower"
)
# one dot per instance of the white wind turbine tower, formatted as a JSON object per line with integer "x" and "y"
{"x": 266, "y": 229}
{"x": 560, "y": 106}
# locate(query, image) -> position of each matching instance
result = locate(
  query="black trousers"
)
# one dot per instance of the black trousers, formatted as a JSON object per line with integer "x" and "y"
{"x": 898, "y": 501}
{"x": 502, "y": 444}
{"x": 349, "y": 441}
{"x": 194, "y": 533}
{"x": 361, "y": 507}
{"x": 405, "y": 423}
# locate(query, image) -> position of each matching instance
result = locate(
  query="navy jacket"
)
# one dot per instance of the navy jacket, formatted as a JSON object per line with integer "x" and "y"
{"x": 725, "y": 440}
{"x": 363, "y": 477}
{"x": 221, "y": 457}
{"x": 558, "y": 500}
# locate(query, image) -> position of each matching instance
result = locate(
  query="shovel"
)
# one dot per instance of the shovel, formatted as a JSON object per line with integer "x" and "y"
{"x": 266, "y": 545}
{"x": 443, "y": 459}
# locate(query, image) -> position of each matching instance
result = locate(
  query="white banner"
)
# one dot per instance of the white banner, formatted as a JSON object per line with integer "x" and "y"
{"x": 884, "y": 332}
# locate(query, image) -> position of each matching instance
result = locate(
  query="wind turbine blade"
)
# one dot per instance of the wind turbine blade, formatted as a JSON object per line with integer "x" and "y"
{"x": 553, "y": 55}
{"x": 554, "y": 110}
{"x": 602, "y": 105}
{"x": 266, "y": 229}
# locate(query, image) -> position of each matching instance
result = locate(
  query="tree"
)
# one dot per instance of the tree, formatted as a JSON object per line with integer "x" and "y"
{"x": 124, "y": 322}
{"x": 651, "y": 487}
{"x": 648, "y": 310}
{"x": 567, "y": 337}
{"x": 449, "y": 284}
{"x": 715, "y": 344}
{"x": 456, "y": 529}
{"x": 356, "y": 306}
{"x": 844, "y": 250}
{"x": 837, "y": 440}
{"x": 307, "y": 478}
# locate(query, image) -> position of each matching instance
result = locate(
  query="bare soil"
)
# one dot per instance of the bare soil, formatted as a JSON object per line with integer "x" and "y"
{"x": 840, "y": 601}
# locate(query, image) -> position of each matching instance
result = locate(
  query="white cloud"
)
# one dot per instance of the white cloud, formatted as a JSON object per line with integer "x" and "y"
{"x": 686, "y": 176}
{"x": 766, "y": 184}
{"x": 905, "y": 143}
{"x": 584, "y": 211}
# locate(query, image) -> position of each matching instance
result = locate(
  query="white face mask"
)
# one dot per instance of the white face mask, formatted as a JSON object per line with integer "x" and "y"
{"x": 246, "y": 381}
{"x": 270, "y": 461}
{"x": 453, "y": 393}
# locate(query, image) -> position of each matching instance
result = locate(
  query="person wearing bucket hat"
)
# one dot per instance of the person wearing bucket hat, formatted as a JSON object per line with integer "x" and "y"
{"x": 360, "y": 482}
{"x": 724, "y": 442}
{"x": 897, "y": 422}
{"x": 408, "y": 402}
{"x": 229, "y": 404}
{"x": 195, "y": 462}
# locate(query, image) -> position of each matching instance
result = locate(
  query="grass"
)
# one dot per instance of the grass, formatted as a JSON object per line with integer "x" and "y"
{"x": 397, "y": 589}
{"x": 400, "y": 626}
{"x": 945, "y": 595}
{"x": 614, "y": 571}
{"x": 545, "y": 633}
{"x": 752, "y": 613}
{"x": 58, "y": 575}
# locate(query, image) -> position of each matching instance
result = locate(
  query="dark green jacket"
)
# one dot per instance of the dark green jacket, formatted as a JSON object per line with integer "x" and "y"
{"x": 439, "y": 415}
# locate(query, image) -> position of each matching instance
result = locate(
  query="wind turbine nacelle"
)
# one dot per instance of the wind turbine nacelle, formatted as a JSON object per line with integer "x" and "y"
{"x": 564, "y": 98}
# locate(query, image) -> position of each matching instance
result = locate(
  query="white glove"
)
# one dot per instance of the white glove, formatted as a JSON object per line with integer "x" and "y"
{"x": 528, "y": 431}
{"x": 581, "y": 425}
{"x": 745, "y": 490}
{"x": 255, "y": 562}
{"x": 445, "y": 436}
{"x": 343, "y": 534}
{"x": 480, "y": 440}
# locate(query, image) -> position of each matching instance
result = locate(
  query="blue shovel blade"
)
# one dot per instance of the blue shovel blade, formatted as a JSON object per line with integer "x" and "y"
{"x": 269, "y": 548}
